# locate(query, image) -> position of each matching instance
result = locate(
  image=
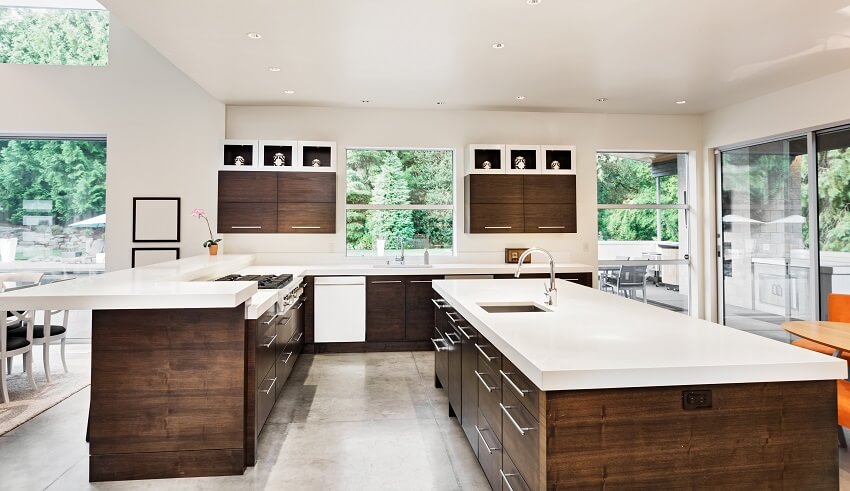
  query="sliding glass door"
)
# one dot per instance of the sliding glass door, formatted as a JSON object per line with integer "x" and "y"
{"x": 833, "y": 164}
{"x": 764, "y": 229}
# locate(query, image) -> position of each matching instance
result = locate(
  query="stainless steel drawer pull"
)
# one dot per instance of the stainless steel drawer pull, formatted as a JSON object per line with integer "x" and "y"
{"x": 299, "y": 336}
{"x": 271, "y": 321}
{"x": 307, "y": 227}
{"x": 519, "y": 428}
{"x": 488, "y": 228}
{"x": 450, "y": 334}
{"x": 505, "y": 479}
{"x": 436, "y": 347}
{"x": 420, "y": 281}
{"x": 384, "y": 282}
{"x": 252, "y": 227}
{"x": 454, "y": 317}
{"x": 487, "y": 357}
{"x": 300, "y": 304}
{"x": 484, "y": 382}
{"x": 440, "y": 304}
{"x": 271, "y": 342}
{"x": 574, "y": 280}
{"x": 288, "y": 356}
{"x": 490, "y": 449}
{"x": 557, "y": 227}
{"x": 267, "y": 391}
{"x": 463, "y": 331}
{"x": 521, "y": 392}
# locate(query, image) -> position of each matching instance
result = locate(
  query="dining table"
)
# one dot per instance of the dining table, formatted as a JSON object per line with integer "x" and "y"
{"x": 836, "y": 335}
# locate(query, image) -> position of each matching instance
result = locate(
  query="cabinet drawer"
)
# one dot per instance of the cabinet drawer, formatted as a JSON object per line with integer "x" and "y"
{"x": 306, "y": 187}
{"x": 490, "y": 356}
{"x": 482, "y": 188}
{"x": 385, "y": 301}
{"x": 489, "y": 452}
{"x": 549, "y": 189}
{"x": 266, "y": 348}
{"x": 489, "y": 396}
{"x": 495, "y": 218}
{"x": 526, "y": 392}
{"x": 511, "y": 478}
{"x": 521, "y": 438}
{"x": 247, "y": 187}
{"x": 552, "y": 218}
{"x": 306, "y": 218}
{"x": 266, "y": 397}
{"x": 247, "y": 218}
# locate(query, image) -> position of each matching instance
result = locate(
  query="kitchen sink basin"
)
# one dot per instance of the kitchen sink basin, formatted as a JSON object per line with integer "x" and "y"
{"x": 507, "y": 308}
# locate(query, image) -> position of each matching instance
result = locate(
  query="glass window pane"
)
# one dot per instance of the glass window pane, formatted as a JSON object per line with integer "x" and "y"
{"x": 640, "y": 179}
{"x": 639, "y": 225}
{"x": 54, "y": 36}
{"x": 833, "y": 159}
{"x": 399, "y": 177}
{"x": 377, "y": 232}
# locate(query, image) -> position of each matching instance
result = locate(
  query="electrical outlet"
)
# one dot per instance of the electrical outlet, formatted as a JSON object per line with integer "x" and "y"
{"x": 512, "y": 256}
{"x": 696, "y": 399}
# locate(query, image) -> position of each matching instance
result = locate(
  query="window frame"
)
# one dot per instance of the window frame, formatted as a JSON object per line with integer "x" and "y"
{"x": 452, "y": 207}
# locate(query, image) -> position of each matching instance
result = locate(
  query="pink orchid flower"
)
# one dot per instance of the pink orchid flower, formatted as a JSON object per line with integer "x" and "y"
{"x": 199, "y": 213}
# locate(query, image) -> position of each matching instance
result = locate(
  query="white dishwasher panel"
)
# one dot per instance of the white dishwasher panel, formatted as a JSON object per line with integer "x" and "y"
{"x": 340, "y": 309}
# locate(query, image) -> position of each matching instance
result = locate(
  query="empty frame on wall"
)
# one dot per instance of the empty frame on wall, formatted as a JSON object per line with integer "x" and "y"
{"x": 156, "y": 219}
{"x": 145, "y": 256}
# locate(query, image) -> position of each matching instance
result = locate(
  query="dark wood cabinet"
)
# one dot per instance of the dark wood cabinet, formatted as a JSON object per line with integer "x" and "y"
{"x": 494, "y": 188}
{"x": 247, "y": 218}
{"x": 419, "y": 311}
{"x": 306, "y": 218}
{"x": 385, "y": 306}
{"x": 247, "y": 187}
{"x": 469, "y": 386}
{"x": 306, "y": 187}
{"x": 455, "y": 345}
{"x": 495, "y": 218}
{"x": 550, "y": 218}
{"x": 549, "y": 189}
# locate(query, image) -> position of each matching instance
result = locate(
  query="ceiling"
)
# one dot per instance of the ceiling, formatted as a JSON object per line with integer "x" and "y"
{"x": 642, "y": 55}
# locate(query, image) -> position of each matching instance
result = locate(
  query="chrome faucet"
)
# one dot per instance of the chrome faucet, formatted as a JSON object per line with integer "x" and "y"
{"x": 549, "y": 290}
{"x": 400, "y": 259}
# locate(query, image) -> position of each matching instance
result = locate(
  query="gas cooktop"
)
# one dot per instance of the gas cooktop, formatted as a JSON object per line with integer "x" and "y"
{"x": 264, "y": 281}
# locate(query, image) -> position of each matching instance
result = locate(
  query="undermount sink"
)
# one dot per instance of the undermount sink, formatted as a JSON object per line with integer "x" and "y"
{"x": 507, "y": 308}
{"x": 411, "y": 266}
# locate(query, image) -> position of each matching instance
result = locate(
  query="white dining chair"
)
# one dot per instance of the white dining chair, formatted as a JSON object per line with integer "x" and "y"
{"x": 12, "y": 345}
{"x": 48, "y": 332}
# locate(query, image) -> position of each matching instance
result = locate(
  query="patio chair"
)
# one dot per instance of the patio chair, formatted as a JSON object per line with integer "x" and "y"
{"x": 629, "y": 280}
{"x": 607, "y": 274}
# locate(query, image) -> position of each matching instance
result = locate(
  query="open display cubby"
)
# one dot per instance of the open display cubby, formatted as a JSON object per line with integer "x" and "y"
{"x": 481, "y": 153}
{"x": 323, "y": 152}
{"x": 269, "y": 149}
{"x": 531, "y": 154}
{"x": 247, "y": 149}
{"x": 565, "y": 155}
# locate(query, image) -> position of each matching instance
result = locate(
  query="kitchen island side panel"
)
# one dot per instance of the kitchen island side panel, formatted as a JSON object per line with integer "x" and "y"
{"x": 168, "y": 393}
{"x": 776, "y": 435}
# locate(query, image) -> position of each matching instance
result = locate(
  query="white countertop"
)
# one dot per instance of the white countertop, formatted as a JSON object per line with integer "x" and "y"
{"x": 595, "y": 340}
{"x": 184, "y": 284}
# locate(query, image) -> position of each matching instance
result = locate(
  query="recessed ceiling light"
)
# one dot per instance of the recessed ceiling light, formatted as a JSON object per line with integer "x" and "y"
{"x": 498, "y": 45}
{"x": 365, "y": 101}
{"x": 602, "y": 99}
{"x": 254, "y": 35}
{"x": 288, "y": 92}
{"x": 532, "y": 2}
{"x": 440, "y": 103}
{"x": 520, "y": 97}
{"x": 680, "y": 102}
{"x": 274, "y": 69}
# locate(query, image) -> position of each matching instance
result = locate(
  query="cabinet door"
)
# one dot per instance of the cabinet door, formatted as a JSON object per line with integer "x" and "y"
{"x": 469, "y": 386}
{"x": 247, "y": 187}
{"x": 495, "y": 218}
{"x": 419, "y": 311}
{"x": 549, "y": 189}
{"x": 385, "y": 301}
{"x": 247, "y": 218}
{"x": 557, "y": 218}
{"x": 306, "y": 187}
{"x": 306, "y": 218}
{"x": 493, "y": 188}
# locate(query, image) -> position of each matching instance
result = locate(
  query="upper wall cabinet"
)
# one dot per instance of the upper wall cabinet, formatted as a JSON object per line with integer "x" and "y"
{"x": 523, "y": 159}
{"x": 558, "y": 159}
{"x": 278, "y": 155}
{"x": 239, "y": 155}
{"x": 486, "y": 159}
{"x": 317, "y": 156}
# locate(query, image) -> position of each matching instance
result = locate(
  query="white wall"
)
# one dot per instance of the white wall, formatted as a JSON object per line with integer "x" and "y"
{"x": 163, "y": 131}
{"x": 456, "y": 129}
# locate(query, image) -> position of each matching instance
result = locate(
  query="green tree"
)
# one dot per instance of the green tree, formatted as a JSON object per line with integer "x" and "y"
{"x": 54, "y": 36}
{"x": 834, "y": 199}
{"x": 390, "y": 189}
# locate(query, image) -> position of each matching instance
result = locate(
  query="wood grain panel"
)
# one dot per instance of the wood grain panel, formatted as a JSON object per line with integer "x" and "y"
{"x": 385, "y": 305}
{"x": 367, "y": 347}
{"x": 495, "y": 219}
{"x": 419, "y": 311}
{"x": 293, "y": 217}
{"x": 247, "y": 218}
{"x": 247, "y": 187}
{"x": 524, "y": 449}
{"x": 306, "y": 187}
{"x": 487, "y": 188}
{"x": 550, "y": 219}
{"x": 132, "y": 466}
{"x": 251, "y": 430}
{"x": 549, "y": 189}
{"x": 309, "y": 310}
{"x": 756, "y": 436}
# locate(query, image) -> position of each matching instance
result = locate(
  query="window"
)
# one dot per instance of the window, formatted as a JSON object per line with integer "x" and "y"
{"x": 53, "y": 205}
{"x": 642, "y": 217}
{"x": 54, "y": 36}
{"x": 395, "y": 195}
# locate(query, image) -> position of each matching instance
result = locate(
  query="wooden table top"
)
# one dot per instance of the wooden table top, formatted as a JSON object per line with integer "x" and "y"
{"x": 833, "y": 334}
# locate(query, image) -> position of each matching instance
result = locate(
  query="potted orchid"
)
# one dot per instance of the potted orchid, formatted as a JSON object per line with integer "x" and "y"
{"x": 212, "y": 243}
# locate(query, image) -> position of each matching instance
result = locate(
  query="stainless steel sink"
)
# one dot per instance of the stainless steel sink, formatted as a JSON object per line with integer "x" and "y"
{"x": 507, "y": 308}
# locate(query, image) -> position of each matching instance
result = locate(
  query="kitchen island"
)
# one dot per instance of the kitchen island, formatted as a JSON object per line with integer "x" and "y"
{"x": 599, "y": 391}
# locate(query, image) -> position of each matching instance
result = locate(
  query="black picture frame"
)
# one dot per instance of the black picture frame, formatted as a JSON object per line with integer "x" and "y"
{"x": 140, "y": 225}
{"x": 134, "y": 250}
